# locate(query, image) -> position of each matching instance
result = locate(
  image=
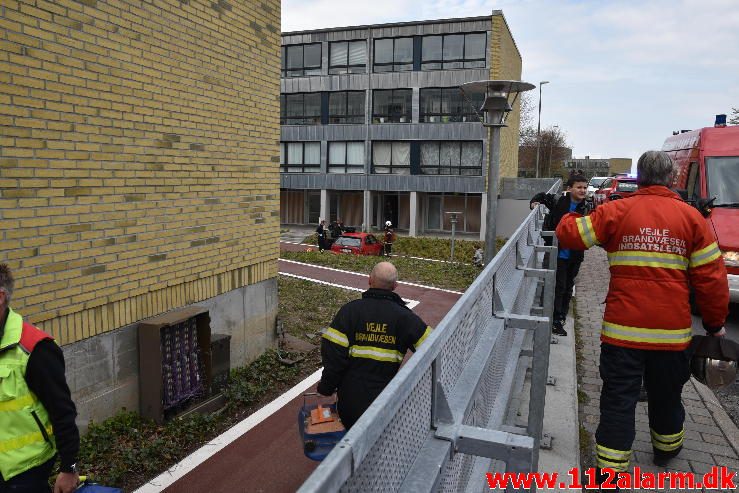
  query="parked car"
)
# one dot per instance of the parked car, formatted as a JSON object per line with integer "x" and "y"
{"x": 617, "y": 187}
{"x": 357, "y": 244}
{"x": 593, "y": 185}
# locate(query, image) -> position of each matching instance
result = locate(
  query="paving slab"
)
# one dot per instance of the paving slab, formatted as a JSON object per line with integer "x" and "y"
{"x": 711, "y": 437}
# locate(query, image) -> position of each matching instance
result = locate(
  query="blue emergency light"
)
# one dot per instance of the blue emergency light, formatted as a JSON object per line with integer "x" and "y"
{"x": 720, "y": 121}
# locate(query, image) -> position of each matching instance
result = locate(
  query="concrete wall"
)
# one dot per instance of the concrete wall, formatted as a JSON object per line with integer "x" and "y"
{"x": 102, "y": 371}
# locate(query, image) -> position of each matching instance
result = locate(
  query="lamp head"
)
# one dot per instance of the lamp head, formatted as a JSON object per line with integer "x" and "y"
{"x": 499, "y": 97}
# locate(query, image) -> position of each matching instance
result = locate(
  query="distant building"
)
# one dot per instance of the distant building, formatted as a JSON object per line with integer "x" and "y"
{"x": 596, "y": 167}
{"x": 375, "y": 129}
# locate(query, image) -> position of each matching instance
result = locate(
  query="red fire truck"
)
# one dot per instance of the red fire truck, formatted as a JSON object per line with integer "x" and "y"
{"x": 707, "y": 162}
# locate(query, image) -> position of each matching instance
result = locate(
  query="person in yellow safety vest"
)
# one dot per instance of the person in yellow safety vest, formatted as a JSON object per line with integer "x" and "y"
{"x": 37, "y": 415}
{"x": 659, "y": 248}
{"x": 366, "y": 342}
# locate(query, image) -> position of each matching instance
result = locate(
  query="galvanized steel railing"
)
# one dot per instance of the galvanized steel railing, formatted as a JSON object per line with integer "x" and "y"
{"x": 442, "y": 422}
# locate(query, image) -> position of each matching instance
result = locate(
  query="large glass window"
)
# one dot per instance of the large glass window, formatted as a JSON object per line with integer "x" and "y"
{"x": 300, "y": 157}
{"x": 723, "y": 180}
{"x": 451, "y": 158}
{"x": 393, "y": 54}
{"x": 299, "y": 60}
{"x": 449, "y": 105}
{"x": 346, "y": 107}
{"x": 392, "y": 157}
{"x": 452, "y": 51}
{"x": 347, "y": 57}
{"x": 300, "y": 108}
{"x": 392, "y": 106}
{"x": 346, "y": 157}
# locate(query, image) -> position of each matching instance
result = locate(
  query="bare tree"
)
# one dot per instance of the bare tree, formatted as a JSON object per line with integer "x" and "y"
{"x": 733, "y": 119}
{"x": 553, "y": 149}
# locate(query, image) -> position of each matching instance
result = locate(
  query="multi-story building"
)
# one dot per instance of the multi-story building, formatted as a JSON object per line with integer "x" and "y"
{"x": 374, "y": 126}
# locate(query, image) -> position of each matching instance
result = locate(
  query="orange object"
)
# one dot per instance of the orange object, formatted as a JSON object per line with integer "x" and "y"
{"x": 321, "y": 415}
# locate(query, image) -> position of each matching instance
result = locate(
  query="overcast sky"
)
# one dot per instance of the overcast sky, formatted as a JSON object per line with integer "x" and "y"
{"x": 623, "y": 74}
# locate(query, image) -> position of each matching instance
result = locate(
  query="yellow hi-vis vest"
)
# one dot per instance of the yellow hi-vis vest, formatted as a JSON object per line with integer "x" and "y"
{"x": 26, "y": 437}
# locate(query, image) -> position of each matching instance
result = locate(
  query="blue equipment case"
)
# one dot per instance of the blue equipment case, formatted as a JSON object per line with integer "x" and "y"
{"x": 316, "y": 446}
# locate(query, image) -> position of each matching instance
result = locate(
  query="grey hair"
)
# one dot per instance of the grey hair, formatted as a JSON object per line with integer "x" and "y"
{"x": 654, "y": 168}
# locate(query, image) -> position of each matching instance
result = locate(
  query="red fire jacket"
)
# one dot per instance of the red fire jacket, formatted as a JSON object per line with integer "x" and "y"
{"x": 658, "y": 247}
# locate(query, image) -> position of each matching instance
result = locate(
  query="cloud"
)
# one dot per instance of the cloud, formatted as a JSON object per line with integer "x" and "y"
{"x": 624, "y": 73}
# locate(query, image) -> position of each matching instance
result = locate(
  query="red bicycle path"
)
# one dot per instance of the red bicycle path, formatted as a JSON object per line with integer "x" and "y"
{"x": 269, "y": 457}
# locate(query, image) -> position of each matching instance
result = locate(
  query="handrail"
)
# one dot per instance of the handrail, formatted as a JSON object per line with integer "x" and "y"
{"x": 443, "y": 415}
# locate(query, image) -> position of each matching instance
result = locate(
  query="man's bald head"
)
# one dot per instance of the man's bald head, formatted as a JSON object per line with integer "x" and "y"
{"x": 384, "y": 276}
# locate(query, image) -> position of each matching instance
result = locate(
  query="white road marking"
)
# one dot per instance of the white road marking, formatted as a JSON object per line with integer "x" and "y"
{"x": 226, "y": 438}
{"x": 365, "y": 275}
{"x": 409, "y": 303}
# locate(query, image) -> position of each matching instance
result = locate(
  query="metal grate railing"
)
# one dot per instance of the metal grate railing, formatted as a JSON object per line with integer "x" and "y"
{"x": 441, "y": 422}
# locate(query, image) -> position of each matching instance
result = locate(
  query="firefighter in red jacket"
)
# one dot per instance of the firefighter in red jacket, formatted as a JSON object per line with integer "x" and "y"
{"x": 658, "y": 248}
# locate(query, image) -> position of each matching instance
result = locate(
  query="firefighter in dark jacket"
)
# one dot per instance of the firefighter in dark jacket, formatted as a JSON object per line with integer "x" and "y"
{"x": 366, "y": 342}
{"x": 37, "y": 419}
{"x": 568, "y": 261}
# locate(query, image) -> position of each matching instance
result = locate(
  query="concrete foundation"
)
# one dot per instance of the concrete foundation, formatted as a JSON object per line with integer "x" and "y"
{"x": 103, "y": 371}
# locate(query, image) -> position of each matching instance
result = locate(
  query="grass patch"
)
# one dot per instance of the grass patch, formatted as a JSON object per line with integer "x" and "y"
{"x": 441, "y": 275}
{"x": 126, "y": 451}
{"x": 587, "y": 451}
{"x": 307, "y": 307}
{"x": 430, "y": 248}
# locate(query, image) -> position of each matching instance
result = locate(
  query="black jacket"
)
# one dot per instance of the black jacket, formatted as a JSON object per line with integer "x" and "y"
{"x": 363, "y": 348}
{"x": 558, "y": 207}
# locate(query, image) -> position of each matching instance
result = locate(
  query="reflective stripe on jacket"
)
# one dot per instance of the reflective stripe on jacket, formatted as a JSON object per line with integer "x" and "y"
{"x": 367, "y": 341}
{"x": 658, "y": 247}
{"x": 26, "y": 436}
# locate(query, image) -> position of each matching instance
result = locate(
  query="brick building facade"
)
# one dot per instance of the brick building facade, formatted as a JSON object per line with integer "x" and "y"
{"x": 139, "y": 165}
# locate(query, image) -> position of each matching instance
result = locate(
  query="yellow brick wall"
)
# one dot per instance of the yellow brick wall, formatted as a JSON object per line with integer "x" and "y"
{"x": 139, "y": 155}
{"x": 619, "y": 165}
{"x": 505, "y": 64}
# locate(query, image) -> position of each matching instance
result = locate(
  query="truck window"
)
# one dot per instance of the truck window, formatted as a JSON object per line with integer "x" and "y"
{"x": 694, "y": 186}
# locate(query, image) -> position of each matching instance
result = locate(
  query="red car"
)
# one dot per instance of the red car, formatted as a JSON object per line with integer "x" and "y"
{"x": 617, "y": 187}
{"x": 357, "y": 244}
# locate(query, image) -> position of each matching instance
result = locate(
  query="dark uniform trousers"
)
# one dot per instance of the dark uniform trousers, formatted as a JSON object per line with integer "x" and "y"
{"x": 622, "y": 369}
{"x": 35, "y": 480}
{"x": 566, "y": 273}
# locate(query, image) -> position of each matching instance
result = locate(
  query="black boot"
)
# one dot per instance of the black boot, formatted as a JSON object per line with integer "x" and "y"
{"x": 662, "y": 458}
{"x": 600, "y": 478}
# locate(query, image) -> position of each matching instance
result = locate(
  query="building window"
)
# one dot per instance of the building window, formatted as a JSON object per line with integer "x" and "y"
{"x": 347, "y": 57}
{"x": 449, "y": 105}
{"x": 300, "y": 108}
{"x": 451, "y": 158}
{"x": 391, "y": 158}
{"x": 346, "y": 107}
{"x": 392, "y": 106}
{"x": 393, "y": 55}
{"x": 300, "y": 60}
{"x": 300, "y": 157}
{"x": 346, "y": 157}
{"x": 452, "y": 51}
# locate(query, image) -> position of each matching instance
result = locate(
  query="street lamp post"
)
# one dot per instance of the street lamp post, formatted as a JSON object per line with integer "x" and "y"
{"x": 538, "y": 129}
{"x": 453, "y": 220}
{"x": 552, "y": 136}
{"x": 494, "y": 108}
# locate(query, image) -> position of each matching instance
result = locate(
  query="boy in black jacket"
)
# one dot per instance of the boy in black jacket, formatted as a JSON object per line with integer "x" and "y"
{"x": 568, "y": 261}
